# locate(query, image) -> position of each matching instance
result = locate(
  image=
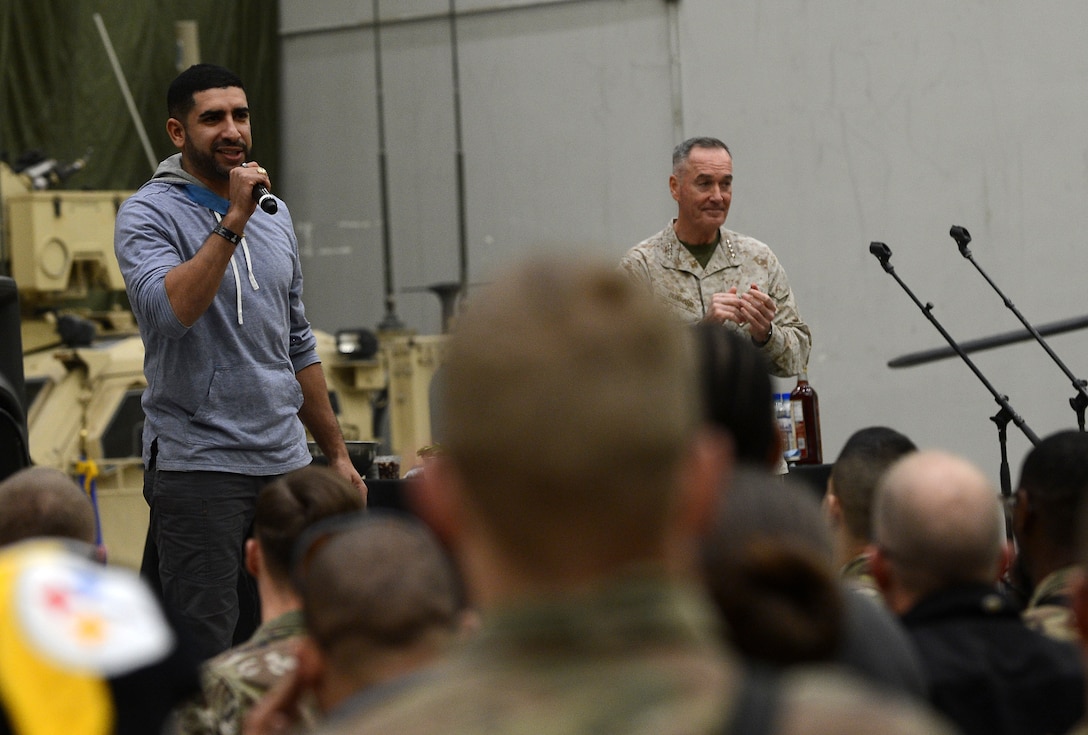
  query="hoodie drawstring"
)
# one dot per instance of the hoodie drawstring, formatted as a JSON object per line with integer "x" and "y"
{"x": 237, "y": 277}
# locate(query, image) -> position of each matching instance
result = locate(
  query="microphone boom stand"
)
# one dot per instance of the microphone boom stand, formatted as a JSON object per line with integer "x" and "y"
{"x": 1079, "y": 402}
{"x": 390, "y": 322}
{"x": 462, "y": 216}
{"x": 1006, "y": 414}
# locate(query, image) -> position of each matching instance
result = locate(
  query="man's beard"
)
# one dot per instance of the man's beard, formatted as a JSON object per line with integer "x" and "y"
{"x": 204, "y": 164}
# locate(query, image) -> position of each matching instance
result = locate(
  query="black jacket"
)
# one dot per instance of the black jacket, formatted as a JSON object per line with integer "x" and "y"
{"x": 988, "y": 672}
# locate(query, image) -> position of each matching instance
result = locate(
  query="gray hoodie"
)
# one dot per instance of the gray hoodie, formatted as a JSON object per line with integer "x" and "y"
{"x": 222, "y": 394}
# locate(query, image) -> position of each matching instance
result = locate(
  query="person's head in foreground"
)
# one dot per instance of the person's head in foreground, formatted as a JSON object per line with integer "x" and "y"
{"x": 574, "y": 447}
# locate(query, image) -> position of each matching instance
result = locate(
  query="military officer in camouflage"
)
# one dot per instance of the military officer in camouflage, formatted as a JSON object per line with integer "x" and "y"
{"x": 705, "y": 272}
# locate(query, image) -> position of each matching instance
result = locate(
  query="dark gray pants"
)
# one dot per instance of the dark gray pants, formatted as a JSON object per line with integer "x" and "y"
{"x": 198, "y": 526}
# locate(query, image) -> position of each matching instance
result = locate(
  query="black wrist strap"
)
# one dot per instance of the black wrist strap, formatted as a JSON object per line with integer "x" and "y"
{"x": 764, "y": 343}
{"x": 232, "y": 237}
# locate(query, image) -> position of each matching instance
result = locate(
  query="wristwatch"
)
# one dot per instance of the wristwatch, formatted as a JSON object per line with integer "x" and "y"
{"x": 770, "y": 331}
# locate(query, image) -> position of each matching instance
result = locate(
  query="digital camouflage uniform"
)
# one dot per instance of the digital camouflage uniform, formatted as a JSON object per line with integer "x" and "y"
{"x": 672, "y": 273}
{"x": 235, "y": 680}
{"x": 1050, "y": 609}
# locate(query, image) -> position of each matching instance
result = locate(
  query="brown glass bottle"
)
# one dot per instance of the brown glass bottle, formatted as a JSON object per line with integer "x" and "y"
{"x": 805, "y": 408}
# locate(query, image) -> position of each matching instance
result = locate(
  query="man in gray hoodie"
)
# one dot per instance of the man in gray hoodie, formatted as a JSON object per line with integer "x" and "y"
{"x": 230, "y": 360}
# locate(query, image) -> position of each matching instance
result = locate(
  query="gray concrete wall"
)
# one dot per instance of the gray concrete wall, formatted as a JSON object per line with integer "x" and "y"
{"x": 849, "y": 120}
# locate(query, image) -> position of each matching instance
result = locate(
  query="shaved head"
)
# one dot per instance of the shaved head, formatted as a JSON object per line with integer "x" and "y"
{"x": 939, "y": 521}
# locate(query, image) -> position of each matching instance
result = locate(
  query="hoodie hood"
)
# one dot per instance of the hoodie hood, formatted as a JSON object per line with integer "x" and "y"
{"x": 171, "y": 172}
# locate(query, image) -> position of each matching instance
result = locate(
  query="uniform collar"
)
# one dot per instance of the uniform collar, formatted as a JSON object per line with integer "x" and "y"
{"x": 678, "y": 257}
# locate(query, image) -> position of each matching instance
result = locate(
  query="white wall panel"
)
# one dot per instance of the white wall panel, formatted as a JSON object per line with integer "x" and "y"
{"x": 330, "y": 166}
{"x": 330, "y": 15}
{"x": 558, "y": 102}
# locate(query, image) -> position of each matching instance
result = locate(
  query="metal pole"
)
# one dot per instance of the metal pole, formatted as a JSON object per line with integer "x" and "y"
{"x": 462, "y": 225}
{"x": 390, "y": 322}
{"x": 125, "y": 91}
{"x": 676, "y": 84}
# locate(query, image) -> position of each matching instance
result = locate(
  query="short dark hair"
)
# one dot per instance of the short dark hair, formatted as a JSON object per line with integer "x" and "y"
{"x": 289, "y": 505}
{"x": 1055, "y": 477}
{"x": 737, "y": 393}
{"x": 680, "y": 153}
{"x": 44, "y": 501}
{"x": 380, "y": 578}
{"x": 197, "y": 78}
{"x": 865, "y": 457}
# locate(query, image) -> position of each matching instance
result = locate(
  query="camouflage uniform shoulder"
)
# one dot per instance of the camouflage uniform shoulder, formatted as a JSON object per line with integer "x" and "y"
{"x": 1050, "y": 609}
{"x": 818, "y": 700}
{"x": 858, "y": 574}
{"x": 650, "y": 253}
{"x": 750, "y": 246}
{"x": 232, "y": 682}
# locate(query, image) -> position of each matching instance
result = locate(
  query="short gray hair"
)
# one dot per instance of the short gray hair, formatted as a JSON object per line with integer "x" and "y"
{"x": 680, "y": 153}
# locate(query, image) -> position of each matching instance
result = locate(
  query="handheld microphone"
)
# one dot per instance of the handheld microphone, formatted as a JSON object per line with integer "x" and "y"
{"x": 265, "y": 199}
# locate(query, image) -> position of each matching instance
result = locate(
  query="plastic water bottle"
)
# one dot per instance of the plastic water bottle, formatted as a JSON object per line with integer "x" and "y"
{"x": 785, "y": 426}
